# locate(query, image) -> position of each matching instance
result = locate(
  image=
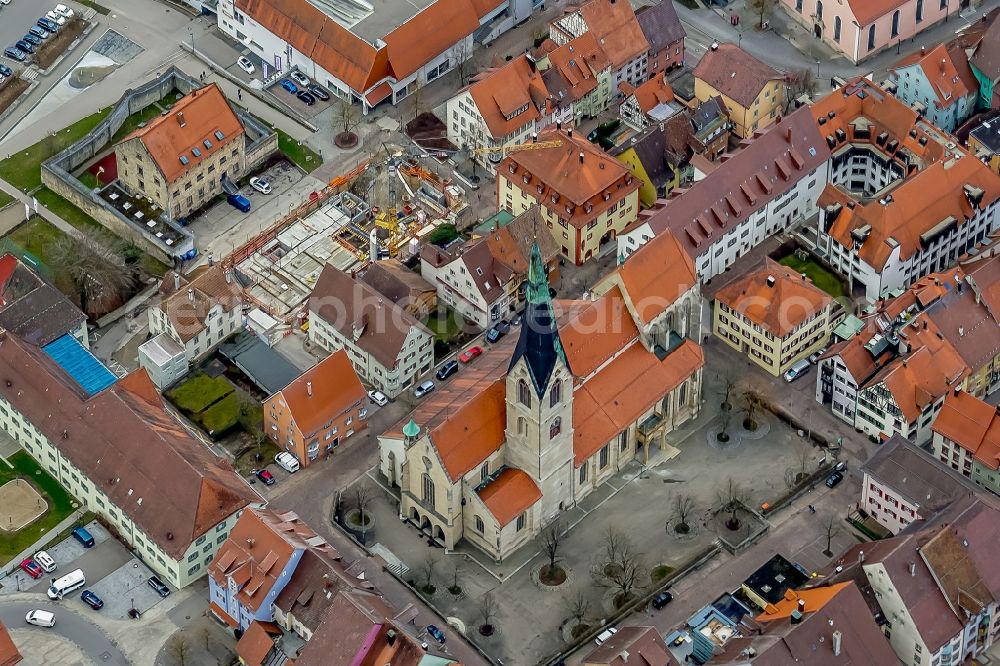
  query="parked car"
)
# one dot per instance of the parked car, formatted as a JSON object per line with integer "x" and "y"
{"x": 45, "y": 561}
{"x": 319, "y": 92}
{"x": 40, "y": 618}
{"x": 83, "y": 536}
{"x": 32, "y": 568}
{"x": 447, "y": 370}
{"x": 516, "y": 319}
{"x": 661, "y": 600}
{"x": 265, "y": 476}
{"x": 378, "y": 397}
{"x": 31, "y": 39}
{"x": 63, "y": 10}
{"x": 24, "y": 46}
{"x": 797, "y": 370}
{"x": 59, "y": 19}
{"x": 814, "y": 357}
{"x": 288, "y": 85}
{"x": 41, "y": 33}
{"x": 605, "y": 635}
{"x": 158, "y": 585}
{"x": 5, "y": 70}
{"x": 500, "y": 329}
{"x": 260, "y": 185}
{"x": 834, "y": 479}
{"x": 92, "y": 600}
{"x": 840, "y": 466}
{"x": 239, "y": 202}
{"x": 48, "y": 24}
{"x": 423, "y": 388}
{"x": 469, "y": 354}
{"x": 436, "y": 633}
{"x": 244, "y": 63}
{"x": 287, "y": 462}
{"x": 15, "y": 53}
{"x": 299, "y": 78}
{"x": 306, "y": 98}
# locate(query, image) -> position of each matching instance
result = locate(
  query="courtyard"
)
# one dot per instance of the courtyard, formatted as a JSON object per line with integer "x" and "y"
{"x": 639, "y": 503}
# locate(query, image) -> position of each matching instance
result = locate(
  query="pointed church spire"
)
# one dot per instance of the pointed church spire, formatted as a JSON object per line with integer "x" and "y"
{"x": 539, "y": 343}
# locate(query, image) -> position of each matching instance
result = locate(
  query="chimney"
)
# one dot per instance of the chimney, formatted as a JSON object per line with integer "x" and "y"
{"x": 837, "y": 640}
{"x": 211, "y": 259}
{"x": 569, "y": 132}
{"x": 309, "y": 388}
{"x": 581, "y": 157}
{"x": 390, "y": 637}
{"x": 250, "y": 542}
{"x": 961, "y": 331}
{"x": 802, "y": 605}
{"x": 177, "y": 281}
{"x": 180, "y": 119}
{"x": 861, "y": 557}
{"x": 558, "y": 124}
{"x": 923, "y": 50}
{"x": 191, "y": 294}
{"x": 229, "y": 277}
{"x": 796, "y": 616}
{"x": 770, "y": 281}
{"x": 913, "y": 568}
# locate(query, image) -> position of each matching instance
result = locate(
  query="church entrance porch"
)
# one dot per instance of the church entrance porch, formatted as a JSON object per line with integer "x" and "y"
{"x": 651, "y": 440}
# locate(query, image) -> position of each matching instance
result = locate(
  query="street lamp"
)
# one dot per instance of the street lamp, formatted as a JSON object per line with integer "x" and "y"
{"x": 817, "y": 69}
{"x": 191, "y": 32}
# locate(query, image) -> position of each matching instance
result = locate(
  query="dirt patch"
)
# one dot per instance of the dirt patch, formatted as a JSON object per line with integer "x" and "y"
{"x": 19, "y": 505}
{"x": 428, "y": 131}
{"x": 346, "y": 140}
{"x": 50, "y": 50}
{"x": 84, "y": 77}
{"x": 10, "y": 90}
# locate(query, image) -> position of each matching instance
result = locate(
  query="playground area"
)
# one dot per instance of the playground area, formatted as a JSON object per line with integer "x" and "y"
{"x": 20, "y": 504}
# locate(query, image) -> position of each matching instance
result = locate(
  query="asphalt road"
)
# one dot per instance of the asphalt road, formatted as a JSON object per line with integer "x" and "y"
{"x": 16, "y": 18}
{"x": 73, "y": 627}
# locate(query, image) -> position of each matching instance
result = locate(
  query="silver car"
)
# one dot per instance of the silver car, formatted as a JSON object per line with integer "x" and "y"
{"x": 423, "y": 389}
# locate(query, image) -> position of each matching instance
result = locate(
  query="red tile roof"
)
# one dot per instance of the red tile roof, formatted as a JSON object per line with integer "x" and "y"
{"x": 328, "y": 389}
{"x": 947, "y": 71}
{"x": 188, "y": 310}
{"x": 735, "y": 73}
{"x": 592, "y": 332}
{"x": 579, "y": 62}
{"x": 473, "y": 432}
{"x": 972, "y": 424}
{"x": 652, "y": 93}
{"x": 632, "y": 646}
{"x": 190, "y": 126}
{"x": 775, "y": 297}
{"x": 9, "y": 654}
{"x": 867, "y": 11}
{"x": 255, "y": 644}
{"x": 616, "y": 28}
{"x": 500, "y": 92}
{"x": 149, "y": 465}
{"x": 434, "y": 29}
{"x": 653, "y": 280}
{"x": 509, "y": 495}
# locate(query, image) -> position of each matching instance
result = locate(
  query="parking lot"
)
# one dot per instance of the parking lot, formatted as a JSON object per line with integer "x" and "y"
{"x": 112, "y": 573}
{"x": 16, "y": 18}
{"x": 289, "y": 98}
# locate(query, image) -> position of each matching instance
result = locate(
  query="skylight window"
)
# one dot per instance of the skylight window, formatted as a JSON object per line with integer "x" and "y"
{"x": 196, "y": 152}
{"x": 208, "y": 144}
{"x": 219, "y": 135}
{"x": 184, "y": 160}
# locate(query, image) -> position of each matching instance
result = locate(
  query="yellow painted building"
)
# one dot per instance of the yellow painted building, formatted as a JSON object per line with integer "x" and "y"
{"x": 984, "y": 143}
{"x": 754, "y": 93}
{"x": 773, "y": 315}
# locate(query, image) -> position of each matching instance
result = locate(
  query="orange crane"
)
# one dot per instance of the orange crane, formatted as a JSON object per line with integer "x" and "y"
{"x": 517, "y": 147}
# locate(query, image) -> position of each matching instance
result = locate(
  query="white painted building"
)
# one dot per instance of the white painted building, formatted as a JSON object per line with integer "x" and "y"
{"x": 199, "y": 314}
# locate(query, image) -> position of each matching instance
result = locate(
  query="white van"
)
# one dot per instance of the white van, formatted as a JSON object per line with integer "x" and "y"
{"x": 798, "y": 369}
{"x": 74, "y": 580}
{"x": 45, "y": 561}
{"x": 287, "y": 461}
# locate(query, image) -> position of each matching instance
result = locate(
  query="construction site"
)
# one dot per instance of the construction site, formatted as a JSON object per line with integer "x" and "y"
{"x": 382, "y": 208}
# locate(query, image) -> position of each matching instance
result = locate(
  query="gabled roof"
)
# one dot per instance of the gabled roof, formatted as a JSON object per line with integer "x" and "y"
{"x": 592, "y": 332}
{"x": 148, "y": 464}
{"x": 735, "y": 73}
{"x": 31, "y": 308}
{"x": 396, "y": 282}
{"x": 375, "y": 324}
{"x": 509, "y": 495}
{"x": 973, "y": 424}
{"x": 632, "y": 646}
{"x": 196, "y": 127}
{"x": 500, "y": 93}
{"x": 579, "y": 63}
{"x": 916, "y": 476}
{"x": 428, "y": 34}
{"x": 866, "y": 11}
{"x": 617, "y": 31}
{"x": 986, "y": 57}
{"x": 660, "y": 25}
{"x": 775, "y": 297}
{"x": 653, "y": 279}
{"x": 941, "y": 67}
{"x": 653, "y": 93}
{"x": 329, "y": 388}
{"x": 187, "y": 307}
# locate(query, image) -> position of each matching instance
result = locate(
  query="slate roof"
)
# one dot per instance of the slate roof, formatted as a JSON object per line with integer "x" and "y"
{"x": 31, "y": 308}
{"x": 735, "y": 73}
{"x": 660, "y": 25}
{"x": 538, "y": 343}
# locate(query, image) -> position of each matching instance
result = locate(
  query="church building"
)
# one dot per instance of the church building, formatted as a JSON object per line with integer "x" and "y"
{"x": 549, "y": 413}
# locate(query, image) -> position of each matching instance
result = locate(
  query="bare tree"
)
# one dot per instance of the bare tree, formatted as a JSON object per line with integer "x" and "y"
{"x": 456, "y": 570}
{"x": 683, "y": 508}
{"x": 464, "y": 60}
{"x": 418, "y": 97}
{"x": 577, "y": 604}
{"x": 179, "y": 649}
{"x": 426, "y": 570}
{"x": 98, "y": 268}
{"x": 551, "y": 539}
{"x": 487, "y": 611}
{"x": 727, "y": 388}
{"x": 753, "y": 401}
{"x": 799, "y": 82}
{"x": 725, "y": 418}
{"x": 731, "y": 498}
{"x": 362, "y": 496}
{"x": 798, "y": 471}
{"x": 620, "y": 567}
{"x": 346, "y": 115}
{"x": 831, "y": 528}
{"x": 205, "y": 634}
{"x": 762, "y": 8}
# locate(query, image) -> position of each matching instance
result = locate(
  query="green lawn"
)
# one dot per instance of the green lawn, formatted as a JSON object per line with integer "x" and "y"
{"x": 100, "y": 9}
{"x": 221, "y": 416}
{"x": 69, "y": 212}
{"x": 302, "y": 155}
{"x": 5, "y": 199}
{"x": 446, "y": 328}
{"x": 60, "y": 504}
{"x": 23, "y": 169}
{"x": 89, "y": 180}
{"x": 822, "y": 278}
{"x": 132, "y": 122}
{"x": 198, "y": 393}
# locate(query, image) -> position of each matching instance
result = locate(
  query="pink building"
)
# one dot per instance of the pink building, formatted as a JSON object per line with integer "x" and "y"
{"x": 860, "y": 28}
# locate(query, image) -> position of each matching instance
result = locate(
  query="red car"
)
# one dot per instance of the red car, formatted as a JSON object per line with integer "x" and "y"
{"x": 32, "y": 568}
{"x": 265, "y": 476}
{"x": 470, "y": 353}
